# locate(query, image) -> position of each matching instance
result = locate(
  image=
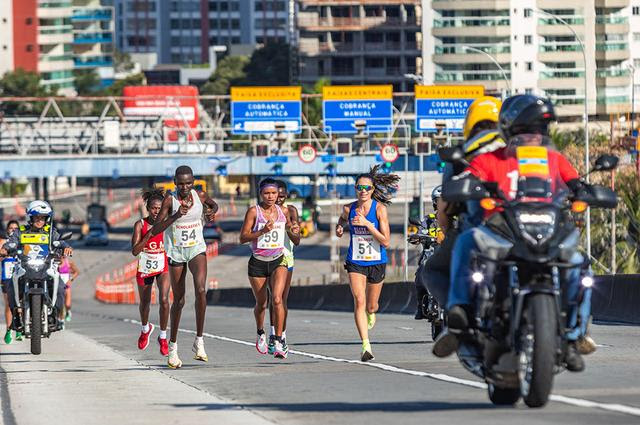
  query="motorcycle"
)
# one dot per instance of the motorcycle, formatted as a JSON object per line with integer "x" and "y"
{"x": 517, "y": 339}
{"x": 431, "y": 310}
{"x": 37, "y": 271}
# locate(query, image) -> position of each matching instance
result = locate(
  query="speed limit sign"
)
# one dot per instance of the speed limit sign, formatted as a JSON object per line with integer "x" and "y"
{"x": 307, "y": 153}
{"x": 389, "y": 153}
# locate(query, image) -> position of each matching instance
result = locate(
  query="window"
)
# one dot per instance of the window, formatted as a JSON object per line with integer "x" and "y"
{"x": 528, "y": 91}
{"x": 527, "y": 13}
{"x": 529, "y": 66}
{"x": 235, "y": 6}
{"x": 29, "y": 48}
{"x": 528, "y": 39}
{"x": 235, "y": 24}
{"x": 28, "y": 21}
{"x": 213, "y": 6}
{"x": 635, "y": 10}
{"x": 224, "y": 6}
{"x": 636, "y": 36}
{"x": 235, "y": 40}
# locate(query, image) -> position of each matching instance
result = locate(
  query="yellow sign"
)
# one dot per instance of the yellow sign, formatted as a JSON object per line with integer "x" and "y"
{"x": 533, "y": 161}
{"x": 381, "y": 92}
{"x": 271, "y": 93}
{"x": 34, "y": 238}
{"x": 448, "y": 92}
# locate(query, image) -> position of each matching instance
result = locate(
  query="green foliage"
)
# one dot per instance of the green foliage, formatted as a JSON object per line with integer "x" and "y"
{"x": 268, "y": 66}
{"x": 229, "y": 72}
{"x": 87, "y": 82}
{"x": 21, "y": 83}
{"x": 118, "y": 85}
{"x": 122, "y": 61}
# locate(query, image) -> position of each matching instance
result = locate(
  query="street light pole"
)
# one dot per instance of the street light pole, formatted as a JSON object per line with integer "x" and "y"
{"x": 586, "y": 115}
{"x": 494, "y": 60}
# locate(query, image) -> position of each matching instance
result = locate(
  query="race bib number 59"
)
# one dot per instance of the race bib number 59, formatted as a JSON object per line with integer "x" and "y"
{"x": 365, "y": 248}
{"x": 274, "y": 239}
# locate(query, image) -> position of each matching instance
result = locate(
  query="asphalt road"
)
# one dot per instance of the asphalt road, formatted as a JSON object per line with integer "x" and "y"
{"x": 92, "y": 372}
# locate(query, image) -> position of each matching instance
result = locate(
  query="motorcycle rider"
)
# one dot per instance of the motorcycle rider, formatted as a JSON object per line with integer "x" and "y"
{"x": 39, "y": 214}
{"x": 430, "y": 222}
{"x": 481, "y": 136}
{"x": 524, "y": 121}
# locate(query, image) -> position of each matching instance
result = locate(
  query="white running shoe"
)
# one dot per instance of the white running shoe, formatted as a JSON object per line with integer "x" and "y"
{"x": 174, "y": 361}
{"x": 280, "y": 352}
{"x": 261, "y": 344}
{"x": 198, "y": 349}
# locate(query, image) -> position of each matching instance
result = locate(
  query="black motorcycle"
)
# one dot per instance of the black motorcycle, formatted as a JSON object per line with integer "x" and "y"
{"x": 35, "y": 281}
{"x": 431, "y": 310}
{"x": 517, "y": 340}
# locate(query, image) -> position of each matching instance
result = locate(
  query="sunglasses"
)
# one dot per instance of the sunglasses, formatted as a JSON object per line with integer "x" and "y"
{"x": 363, "y": 187}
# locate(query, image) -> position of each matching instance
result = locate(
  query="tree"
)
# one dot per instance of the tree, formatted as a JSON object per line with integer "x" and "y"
{"x": 21, "y": 83}
{"x": 122, "y": 61}
{"x": 132, "y": 80}
{"x": 87, "y": 82}
{"x": 230, "y": 71}
{"x": 313, "y": 107}
{"x": 269, "y": 66}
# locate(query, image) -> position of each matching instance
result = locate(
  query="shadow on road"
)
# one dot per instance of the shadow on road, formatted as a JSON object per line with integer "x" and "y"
{"x": 422, "y": 406}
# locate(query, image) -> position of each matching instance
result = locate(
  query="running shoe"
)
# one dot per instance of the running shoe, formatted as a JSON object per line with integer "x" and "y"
{"x": 18, "y": 336}
{"x": 174, "y": 361}
{"x": 279, "y": 352}
{"x": 371, "y": 320}
{"x": 143, "y": 339}
{"x": 285, "y": 347}
{"x": 164, "y": 346}
{"x": 367, "y": 354}
{"x": 272, "y": 345}
{"x": 261, "y": 344}
{"x": 67, "y": 317}
{"x": 7, "y": 337}
{"x": 198, "y": 349}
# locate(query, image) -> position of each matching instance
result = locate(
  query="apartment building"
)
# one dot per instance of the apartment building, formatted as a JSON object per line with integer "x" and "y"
{"x": 538, "y": 53}
{"x": 55, "y": 37}
{"x": 93, "y": 38}
{"x": 181, "y": 31}
{"x": 364, "y": 42}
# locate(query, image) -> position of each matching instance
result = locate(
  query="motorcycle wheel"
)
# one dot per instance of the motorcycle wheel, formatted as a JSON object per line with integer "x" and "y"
{"x": 537, "y": 350}
{"x": 36, "y": 324}
{"x": 503, "y": 396}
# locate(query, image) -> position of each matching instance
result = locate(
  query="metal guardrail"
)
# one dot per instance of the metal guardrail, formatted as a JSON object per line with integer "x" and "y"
{"x": 97, "y": 125}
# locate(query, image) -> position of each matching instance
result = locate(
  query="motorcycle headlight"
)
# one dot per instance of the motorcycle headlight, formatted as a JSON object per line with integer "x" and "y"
{"x": 537, "y": 226}
{"x": 36, "y": 263}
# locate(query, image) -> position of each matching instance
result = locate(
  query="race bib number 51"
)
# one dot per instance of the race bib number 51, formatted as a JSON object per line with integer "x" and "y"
{"x": 365, "y": 248}
{"x": 187, "y": 235}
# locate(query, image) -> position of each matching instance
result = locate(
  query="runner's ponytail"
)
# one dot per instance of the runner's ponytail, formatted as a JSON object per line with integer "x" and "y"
{"x": 150, "y": 194}
{"x": 384, "y": 184}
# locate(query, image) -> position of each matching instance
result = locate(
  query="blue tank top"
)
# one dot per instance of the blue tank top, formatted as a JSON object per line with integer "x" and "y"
{"x": 364, "y": 249}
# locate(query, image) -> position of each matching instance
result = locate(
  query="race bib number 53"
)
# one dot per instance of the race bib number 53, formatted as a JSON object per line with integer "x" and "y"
{"x": 151, "y": 263}
{"x": 365, "y": 248}
{"x": 187, "y": 235}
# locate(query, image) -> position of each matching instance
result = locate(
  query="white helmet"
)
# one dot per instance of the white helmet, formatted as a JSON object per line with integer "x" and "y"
{"x": 36, "y": 208}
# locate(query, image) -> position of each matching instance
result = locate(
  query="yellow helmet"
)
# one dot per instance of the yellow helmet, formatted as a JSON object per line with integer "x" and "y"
{"x": 485, "y": 108}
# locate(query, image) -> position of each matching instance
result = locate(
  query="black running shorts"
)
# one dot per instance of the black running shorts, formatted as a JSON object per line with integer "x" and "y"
{"x": 259, "y": 268}
{"x": 374, "y": 274}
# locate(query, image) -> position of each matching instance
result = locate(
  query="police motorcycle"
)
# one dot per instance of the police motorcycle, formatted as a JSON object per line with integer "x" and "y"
{"x": 37, "y": 269}
{"x": 517, "y": 339}
{"x": 427, "y": 237}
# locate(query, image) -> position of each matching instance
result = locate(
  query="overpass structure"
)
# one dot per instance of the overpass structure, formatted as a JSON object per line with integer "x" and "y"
{"x": 92, "y": 137}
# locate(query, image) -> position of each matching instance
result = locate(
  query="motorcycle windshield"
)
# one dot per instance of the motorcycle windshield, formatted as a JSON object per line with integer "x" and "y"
{"x": 35, "y": 251}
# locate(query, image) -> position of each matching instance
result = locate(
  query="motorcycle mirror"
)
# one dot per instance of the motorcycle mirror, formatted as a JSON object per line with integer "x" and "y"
{"x": 415, "y": 221}
{"x": 56, "y": 244}
{"x": 453, "y": 154}
{"x": 66, "y": 236}
{"x": 12, "y": 245}
{"x": 606, "y": 163}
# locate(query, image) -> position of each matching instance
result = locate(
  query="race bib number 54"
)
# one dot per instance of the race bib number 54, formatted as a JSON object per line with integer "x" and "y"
{"x": 187, "y": 235}
{"x": 365, "y": 248}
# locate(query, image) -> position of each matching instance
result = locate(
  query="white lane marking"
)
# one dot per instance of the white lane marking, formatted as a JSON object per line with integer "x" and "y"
{"x": 611, "y": 407}
{"x": 334, "y": 323}
{"x": 404, "y": 328}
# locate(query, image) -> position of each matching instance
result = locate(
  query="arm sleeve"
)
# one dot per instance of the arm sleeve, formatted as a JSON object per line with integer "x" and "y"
{"x": 567, "y": 172}
{"x": 477, "y": 167}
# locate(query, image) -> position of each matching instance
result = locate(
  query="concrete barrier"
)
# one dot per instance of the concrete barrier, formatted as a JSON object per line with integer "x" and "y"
{"x": 615, "y": 298}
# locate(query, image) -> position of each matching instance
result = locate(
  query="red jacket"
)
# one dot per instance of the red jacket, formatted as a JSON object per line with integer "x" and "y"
{"x": 501, "y": 166}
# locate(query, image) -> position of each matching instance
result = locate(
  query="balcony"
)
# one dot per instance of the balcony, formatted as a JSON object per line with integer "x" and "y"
{"x": 611, "y": 24}
{"x": 470, "y": 4}
{"x": 613, "y": 77}
{"x": 472, "y": 26}
{"x": 458, "y": 49}
{"x": 93, "y": 38}
{"x": 323, "y": 24}
{"x": 93, "y": 61}
{"x": 83, "y": 15}
{"x": 560, "y": 52}
{"x": 612, "y": 51}
{"x": 551, "y": 26}
{"x": 55, "y": 34}
{"x": 471, "y": 75}
{"x": 555, "y": 78}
